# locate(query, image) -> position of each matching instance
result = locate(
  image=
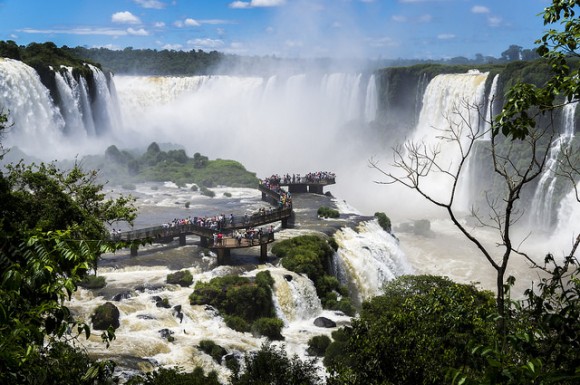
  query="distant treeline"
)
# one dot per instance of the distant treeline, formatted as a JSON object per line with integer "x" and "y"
{"x": 198, "y": 62}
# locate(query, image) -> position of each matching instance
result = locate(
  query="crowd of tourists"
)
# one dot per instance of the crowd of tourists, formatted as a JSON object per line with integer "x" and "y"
{"x": 311, "y": 177}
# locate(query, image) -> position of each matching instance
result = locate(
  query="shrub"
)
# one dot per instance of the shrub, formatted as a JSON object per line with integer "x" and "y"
{"x": 93, "y": 282}
{"x": 416, "y": 331}
{"x": 173, "y": 376}
{"x": 237, "y": 323}
{"x": 214, "y": 350}
{"x": 317, "y": 345}
{"x": 240, "y": 300}
{"x": 384, "y": 221}
{"x": 269, "y": 327}
{"x": 228, "y": 195}
{"x": 271, "y": 365}
{"x": 207, "y": 192}
{"x": 182, "y": 278}
{"x": 327, "y": 212}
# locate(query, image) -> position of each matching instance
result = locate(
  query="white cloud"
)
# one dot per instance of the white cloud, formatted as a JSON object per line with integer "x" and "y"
{"x": 382, "y": 42}
{"x": 159, "y": 24}
{"x": 125, "y": 18}
{"x": 479, "y": 9}
{"x": 445, "y": 36}
{"x": 206, "y": 43}
{"x": 155, "y": 4}
{"x": 256, "y": 4}
{"x": 78, "y": 31}
{"x": 267, "y": 3}
{"x": 494, "y": 21}
{"x": 215, "y": 21}
{"x": 293, "y": 43}
{"x": 426, "y": 18}
{"x": 137, "y": 32}
{"x": 172, "y": 47}
{"x": 189, "y": 22}
{"x": 399, "y": 18}
{"x": 239, "y": 5}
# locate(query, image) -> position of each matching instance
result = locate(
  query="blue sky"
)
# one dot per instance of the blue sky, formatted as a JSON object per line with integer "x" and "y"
{"x": 387, "y": 29}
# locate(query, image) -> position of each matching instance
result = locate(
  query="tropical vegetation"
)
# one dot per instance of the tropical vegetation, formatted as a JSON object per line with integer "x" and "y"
{"x": 124, "y": 167}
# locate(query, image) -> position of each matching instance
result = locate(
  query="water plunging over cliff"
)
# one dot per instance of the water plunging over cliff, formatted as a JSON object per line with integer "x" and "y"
{"x": 48, "y": 128}
{"x": 543, "y": 204}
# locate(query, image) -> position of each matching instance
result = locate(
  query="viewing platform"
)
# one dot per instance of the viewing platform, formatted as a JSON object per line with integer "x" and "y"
{"x": 310, "y": 183}
{"x": 226, "y": 234}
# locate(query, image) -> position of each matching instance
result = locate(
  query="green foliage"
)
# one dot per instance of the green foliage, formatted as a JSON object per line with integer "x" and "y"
{"x": 126, "y": 168}
{"x": 542, "y": 341}
{"x": 237, "y": 323}
{"x": 175, "y": 376}
{"x": 271, "y": 365}
{"x": 207, "y": 192}
{"x": 527, "y": 99}
{"x": 183, "y": 278}
{"x": 334, "y": 355}
{"x": 214, "y": 350}
{"x": 152, "y": 62}
{"x": 241, "y": 300}
{"x": 317, "y": 345}
{"x": 415, "y": 332}
{"x": 269, "y": 327}
{"x": 92, "y": 282}
{"x": 327, "y": 212}
{"x": 60, "y": 364}
{"x": 384, "y": 221}
{"x": 312, "y": 255}
{"x": 52, "y": 233}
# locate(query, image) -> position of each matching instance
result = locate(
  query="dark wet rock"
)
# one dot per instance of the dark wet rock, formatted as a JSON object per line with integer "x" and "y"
{"x": 105, "y": 316}
{"x": 121, "y": 296}
{"x": 177, "y": 308}
{"x": 164, "y": 303}
{"x": 143, "y": 288}
{"x": 323, "y": 322}
{"x": 288, "y": 277}
{"x": 146, "y": 317}
{"x": 167, "y": 334}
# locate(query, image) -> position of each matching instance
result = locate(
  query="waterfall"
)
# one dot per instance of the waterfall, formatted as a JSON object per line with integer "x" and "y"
{"x": 295, "y": 296}
{"x": 371, "y": 101}
{"x": 368, "y": 258}
{"x": 104, "y": 105}
{"x": 46, "y": 128}
{"x": 228, "y": 116}
{"x": 70, "y": 102}
{"x": 567, "y": 225}
{"x": 543, "y": 204}
{"x": 448, "y": 102}
{"x": 489, "y": 110}
{"x": 38, "y": 123}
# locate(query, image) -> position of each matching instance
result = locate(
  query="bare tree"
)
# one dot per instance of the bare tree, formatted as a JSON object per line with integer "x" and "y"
{"x": 413, "y": 164}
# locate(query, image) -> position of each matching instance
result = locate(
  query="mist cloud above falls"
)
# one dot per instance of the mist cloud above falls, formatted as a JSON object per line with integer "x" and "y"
{"x": 312, "y": 29}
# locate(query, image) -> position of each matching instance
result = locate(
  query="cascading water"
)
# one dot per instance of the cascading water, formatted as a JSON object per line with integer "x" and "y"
{"x": 543, "y": 204}
{"x": 368, "y": 258}
{"x": 489, "y": 109}
{"x": 46, "y": 129}
{"x": 371, "y": 103}
{"x": 449, "y": 101}
{"x": 37, "y": 121}
{"x": 70, "y": 101}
